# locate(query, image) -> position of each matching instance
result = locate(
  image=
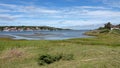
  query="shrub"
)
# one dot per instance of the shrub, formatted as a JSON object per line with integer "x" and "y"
{"x": 48, "y": 59}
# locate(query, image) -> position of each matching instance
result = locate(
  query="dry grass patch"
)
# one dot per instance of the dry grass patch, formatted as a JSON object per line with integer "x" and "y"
{"x": 12, "y": 54}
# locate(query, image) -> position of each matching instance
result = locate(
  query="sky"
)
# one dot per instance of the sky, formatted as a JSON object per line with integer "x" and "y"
{"x": 74, "y": 14}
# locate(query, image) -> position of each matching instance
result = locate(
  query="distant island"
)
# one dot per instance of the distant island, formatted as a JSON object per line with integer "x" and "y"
{"x": 29, "y": 28}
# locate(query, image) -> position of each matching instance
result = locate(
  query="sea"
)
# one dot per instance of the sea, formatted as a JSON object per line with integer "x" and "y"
{"x": 45, "y": 35}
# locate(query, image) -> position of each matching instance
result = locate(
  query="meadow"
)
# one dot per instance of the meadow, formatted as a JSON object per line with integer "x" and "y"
{"x": 100, "y": 51}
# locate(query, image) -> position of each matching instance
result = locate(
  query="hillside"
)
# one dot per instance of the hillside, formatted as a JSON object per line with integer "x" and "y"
{"x": 103, "y": 31}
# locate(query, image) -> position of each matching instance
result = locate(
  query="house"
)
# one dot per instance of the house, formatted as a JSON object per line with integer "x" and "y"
{"x": 115, "y": 27}
{"x": 6, "y": 29}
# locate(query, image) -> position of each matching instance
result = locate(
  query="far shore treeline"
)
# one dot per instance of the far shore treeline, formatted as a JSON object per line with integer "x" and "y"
{"x": 28, "y": 28}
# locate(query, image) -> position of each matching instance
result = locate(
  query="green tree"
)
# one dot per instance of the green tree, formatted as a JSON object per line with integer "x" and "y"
{"x": 119, "y": 25}
{"x": 108, "y": 25}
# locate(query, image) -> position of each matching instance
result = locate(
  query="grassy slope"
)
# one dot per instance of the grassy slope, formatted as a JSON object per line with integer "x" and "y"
{"x": 102, "y": 51}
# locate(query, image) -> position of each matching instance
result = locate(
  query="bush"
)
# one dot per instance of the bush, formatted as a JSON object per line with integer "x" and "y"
{"x": 48, "y": 59}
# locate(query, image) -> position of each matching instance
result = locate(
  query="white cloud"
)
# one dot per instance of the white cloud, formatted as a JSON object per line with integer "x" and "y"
{"x": 8, "y": 5}
{"x": 112, "y": 3}
{"x": 4, "y": 10}
{"x": 9, "y": 17}
{"x": 26, "y": 9}
{"x": 78, "y": 11}
{"x": 76, "y": 15}
{"x": 18, "y": 11}
{"x": 92, "y": 7}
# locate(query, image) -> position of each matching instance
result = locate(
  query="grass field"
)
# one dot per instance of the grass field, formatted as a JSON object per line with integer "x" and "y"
{"x": 102, "y": 51}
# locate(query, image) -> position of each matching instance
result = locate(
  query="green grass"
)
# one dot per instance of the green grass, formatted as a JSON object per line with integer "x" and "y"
{"x": 102, "y": 51}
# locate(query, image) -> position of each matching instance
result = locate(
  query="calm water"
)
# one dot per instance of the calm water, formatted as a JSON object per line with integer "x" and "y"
{"x": 46, "y": 35}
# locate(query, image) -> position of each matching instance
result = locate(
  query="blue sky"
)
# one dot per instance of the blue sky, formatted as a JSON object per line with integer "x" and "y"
{"x": 76, "y": 14}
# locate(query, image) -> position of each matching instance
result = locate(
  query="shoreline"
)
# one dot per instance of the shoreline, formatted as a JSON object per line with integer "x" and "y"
{"x": 6, "y": 36}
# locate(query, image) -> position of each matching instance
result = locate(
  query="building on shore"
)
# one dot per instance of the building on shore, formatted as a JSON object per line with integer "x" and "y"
{"x": 115, "y": 27}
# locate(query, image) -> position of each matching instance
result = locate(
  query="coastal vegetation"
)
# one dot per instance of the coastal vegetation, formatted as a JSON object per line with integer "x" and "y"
{"x": 100, "y": 51}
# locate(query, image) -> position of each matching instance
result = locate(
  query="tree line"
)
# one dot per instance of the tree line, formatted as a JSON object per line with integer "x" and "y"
{"x": 30, "y": 27}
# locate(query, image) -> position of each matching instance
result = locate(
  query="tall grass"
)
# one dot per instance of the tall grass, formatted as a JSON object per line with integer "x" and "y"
{"x": 102, "y": 51}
